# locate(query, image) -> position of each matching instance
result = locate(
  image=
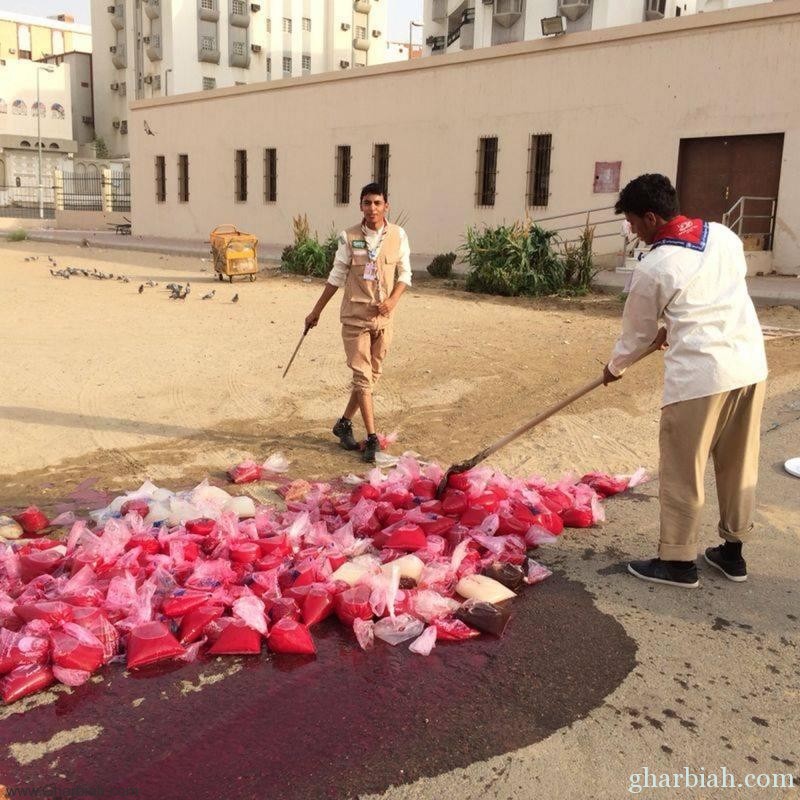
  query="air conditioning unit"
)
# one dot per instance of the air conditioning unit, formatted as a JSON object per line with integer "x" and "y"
{"x": 146, "y": 39}
{"x": 87, "y": 120}
{"x": 110, "y": 9}
{"x": 12, "y": 50}
{"x": 256, "y": 48}
{"x": 114, "y": 86}
{"x": 115, "y": 124}
{"x": 344, "y": 64}
{"x": 376, "y": 34}
{"x": 345, "y": 26}
{"x": 148, "y": 79}
{"x": 112, "y": 49}
{"x": 255, "y": 8}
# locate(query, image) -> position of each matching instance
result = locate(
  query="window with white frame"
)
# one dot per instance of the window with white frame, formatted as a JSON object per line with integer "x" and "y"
{"x": 306, "y": 23}
{"x": 19, "y": 107}
{"x": 287, "y": 25}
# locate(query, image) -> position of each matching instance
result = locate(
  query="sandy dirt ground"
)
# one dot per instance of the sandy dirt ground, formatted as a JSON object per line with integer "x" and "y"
{"x": 101, "y": 381}
{"x": 104, "y": 385}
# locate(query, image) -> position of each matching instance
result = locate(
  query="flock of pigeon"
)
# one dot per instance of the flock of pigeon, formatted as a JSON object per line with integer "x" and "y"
{"x": 177, "y": 291}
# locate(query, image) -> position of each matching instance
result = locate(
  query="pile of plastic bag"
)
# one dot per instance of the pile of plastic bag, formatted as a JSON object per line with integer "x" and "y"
{"x": 159, "y": 575}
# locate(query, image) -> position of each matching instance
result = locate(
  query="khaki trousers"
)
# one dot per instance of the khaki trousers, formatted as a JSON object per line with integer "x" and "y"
{"x": 365, "y": 347}
{"x": 726, "y": 426}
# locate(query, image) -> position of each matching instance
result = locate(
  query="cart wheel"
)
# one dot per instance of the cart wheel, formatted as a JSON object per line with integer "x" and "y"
{"x": 252, "y": 278}
{"x": 219, "y": 276}
{"x": 231, "y": 278}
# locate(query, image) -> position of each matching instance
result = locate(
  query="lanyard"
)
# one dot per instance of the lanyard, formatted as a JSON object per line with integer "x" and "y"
{"x": 373, "y": 252}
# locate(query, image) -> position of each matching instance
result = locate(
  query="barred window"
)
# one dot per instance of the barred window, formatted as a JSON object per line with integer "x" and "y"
{"x": 183, "y": 178}
{"x": 208, "y": 43}
{"x": 306, "y": 23}
{"x": 287, "y": 25}
{"x": 287, "y": 65}
{"x": 240, "y": 178}
{"x": 238, "y": 48}
{"x": 486, "y": 188}
{"x": 270, "y": 175}
{"x": 269, "y": 66}
{"x": 161, "y": 179}
{"x": 380, "y": 166}
{"x": 238, "y": 7}
{"x": 269, "y": 25}
{"x": 207, "y": 5}
{"x": 541, "y": 146}
{"x": 361, "y": 32}
{"x": 342, "y": 180}
{"x": 307, "y": 63}
{"x": 209, "y": 83}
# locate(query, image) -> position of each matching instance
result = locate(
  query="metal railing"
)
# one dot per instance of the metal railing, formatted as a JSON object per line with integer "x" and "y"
{"x": 738, "y": 220}
{"x": 23, "y": 202}
{"x": 81, "y": 192}
{"x": 565, "y": 222}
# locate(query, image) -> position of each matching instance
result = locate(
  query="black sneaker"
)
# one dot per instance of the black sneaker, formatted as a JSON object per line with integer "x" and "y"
{"x": 735, "y": 569}
{"x": 670, "y": 572}
{"x": 343, "y": 429}
{"x": 371, "y": 446}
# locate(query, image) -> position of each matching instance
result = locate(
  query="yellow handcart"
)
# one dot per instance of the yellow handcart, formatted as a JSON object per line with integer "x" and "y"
{"x": 234, "y": 252}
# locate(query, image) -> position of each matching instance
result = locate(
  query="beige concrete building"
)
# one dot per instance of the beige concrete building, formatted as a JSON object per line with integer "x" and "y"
{"x": 538, "y": 128}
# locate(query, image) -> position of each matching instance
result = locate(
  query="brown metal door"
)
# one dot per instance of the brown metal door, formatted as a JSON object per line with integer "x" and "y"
{"x": 714, "y": 172}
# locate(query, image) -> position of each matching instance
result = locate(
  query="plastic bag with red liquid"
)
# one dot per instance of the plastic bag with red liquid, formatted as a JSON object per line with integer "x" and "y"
{"x": 52, "y": 612}
{"x": 290, "y": 636}
{"x": 536, "y": 572}
{"x": 353, "y": 604}
{"x": 194, "y": 623}
{"x": 39, "y": 562}
{"x": 95, "y": 620}
{"x": 25, "y": 680}
{"x": 237, "y": 638}
{"x": 578, "y": 517}
{"x": 31, "y": 520}
{"x": 454, "y": 630}
{"x": 150, "y": 643}
{"x": 406, "y": 536}
{"x": 19, "y": 647}
{"x": 245, "y": 472}
{"x": 182, "y": 601}
{"x": 76, "y": 648}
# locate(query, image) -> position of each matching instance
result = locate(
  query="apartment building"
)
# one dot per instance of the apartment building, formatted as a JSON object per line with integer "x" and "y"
{"x": 453, "y": 25}
{"x": 29, "y": 38}
{"x": 154, "y": 48}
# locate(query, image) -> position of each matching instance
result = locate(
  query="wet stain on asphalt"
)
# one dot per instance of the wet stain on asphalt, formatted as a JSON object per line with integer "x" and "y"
{"x": 343, "y": 724}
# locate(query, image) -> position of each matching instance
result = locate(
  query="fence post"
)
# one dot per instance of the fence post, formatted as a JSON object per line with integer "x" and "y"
{"x": 58, "y": 186}
{"x": 107, "y": 190}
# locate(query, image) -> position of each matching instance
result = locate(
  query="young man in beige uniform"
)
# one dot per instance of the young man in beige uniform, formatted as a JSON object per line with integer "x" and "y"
{"x": 693, "y": 280}
{"x": 372, "y": 266}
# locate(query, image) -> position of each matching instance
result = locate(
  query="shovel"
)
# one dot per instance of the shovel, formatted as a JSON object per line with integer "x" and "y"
{"x": 305, "y": 331}
{"x": 465, "y": 466}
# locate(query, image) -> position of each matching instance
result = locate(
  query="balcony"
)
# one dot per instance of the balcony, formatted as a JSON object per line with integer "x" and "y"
{"x": 208, "y": 50}
{"x": 152, "y": 8}
{"x": 361, "y": 44}
{"x": 208, "y": 10}
{"x": 118, "y": 57}
{"x": 239, "y": 16}
{"x": 118, "y": 17}
{"x": 573, "y": 10}
{"x": 362, "y": 6}
{"x": 153, "y": 43}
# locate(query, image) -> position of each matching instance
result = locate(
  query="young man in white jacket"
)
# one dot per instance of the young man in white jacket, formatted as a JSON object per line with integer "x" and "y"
{"x": 693, "y": 281}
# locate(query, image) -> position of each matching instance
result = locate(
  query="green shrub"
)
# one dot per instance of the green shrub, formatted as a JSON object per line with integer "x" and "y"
{"x": 442, "y": 265}
{"x": 18, "y": 235}
{"x": 308, "y": 256}
{"x": 524, "y": 259}
{"x": 512, "y": 260}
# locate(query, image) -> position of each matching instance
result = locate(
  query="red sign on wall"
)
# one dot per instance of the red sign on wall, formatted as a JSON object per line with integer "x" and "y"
{"x": 606, "y": 176}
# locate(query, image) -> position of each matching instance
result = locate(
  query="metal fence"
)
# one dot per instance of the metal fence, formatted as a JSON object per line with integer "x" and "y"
{"x": 23, "y": 202}
{"x": 82, "y": 192}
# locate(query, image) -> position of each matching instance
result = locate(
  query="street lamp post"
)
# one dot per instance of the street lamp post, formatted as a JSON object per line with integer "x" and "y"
{"x": 411, "y": 26}
{"x": 39, "y": 136}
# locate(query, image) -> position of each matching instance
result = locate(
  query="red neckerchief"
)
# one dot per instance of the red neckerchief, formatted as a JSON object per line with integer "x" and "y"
{"x": 683, "y": 232}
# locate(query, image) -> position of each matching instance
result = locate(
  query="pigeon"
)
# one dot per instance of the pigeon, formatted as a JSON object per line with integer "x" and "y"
{"x": 147, "y": 129}
{"x": 209, "y": 295}
{"x": 235, "y": 298}
{"x": 188, "y": 289}
{"x": 51, "y": 259}
{"x": 175, "y": 294}
{"x": 151, "y": 284}
{"x": 141, "y": 288}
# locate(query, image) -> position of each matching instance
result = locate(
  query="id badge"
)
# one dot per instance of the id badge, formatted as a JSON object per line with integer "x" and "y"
{"x": 370, "y": 271}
